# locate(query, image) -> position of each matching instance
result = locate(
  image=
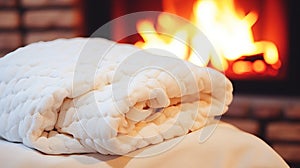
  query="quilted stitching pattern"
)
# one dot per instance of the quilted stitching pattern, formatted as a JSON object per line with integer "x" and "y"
{"x": 65, "y": 96}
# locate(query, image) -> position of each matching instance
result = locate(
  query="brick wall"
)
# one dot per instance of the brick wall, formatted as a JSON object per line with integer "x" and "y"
{"x": 26, "y": 21}
{"x": 274, "y": 119}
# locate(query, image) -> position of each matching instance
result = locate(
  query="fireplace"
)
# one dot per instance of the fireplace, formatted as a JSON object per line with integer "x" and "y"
{"x": 265, "y": 104}
{"x": 255, "y": 74}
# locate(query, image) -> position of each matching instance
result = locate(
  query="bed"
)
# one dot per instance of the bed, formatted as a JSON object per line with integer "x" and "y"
{"x": 91, "y": 102}
{"x": 227, "y": 146}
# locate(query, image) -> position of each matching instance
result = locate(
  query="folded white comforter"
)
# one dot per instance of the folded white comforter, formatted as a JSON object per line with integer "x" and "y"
{"x": 85, "y": 95}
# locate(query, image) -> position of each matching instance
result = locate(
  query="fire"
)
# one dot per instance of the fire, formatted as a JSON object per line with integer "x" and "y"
{"x": 162, "y": 42}
{"x": 229, "y": 31}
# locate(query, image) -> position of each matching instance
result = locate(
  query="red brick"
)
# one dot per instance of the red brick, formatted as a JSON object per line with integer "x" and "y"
{"x": 10, "y": 40}
{"x": 3, "y": 52}
{"x": 266, "y": 111}
{"x": 239, "y": 107}
{"x": 9, "y": 19}
{"x": 238, "y": 110}
{"x": 288, "y": 152}
{"x": 48, "y": 35}
{"x": 39, "y": 3}
{"x": 247, "y": 125}
{"x": 51, "y": 18}
{"x": 265, "y": 107}
{"x": 7, "y": 3}
{"x": 283, "y": 131}
{"x": 292, "y": 110}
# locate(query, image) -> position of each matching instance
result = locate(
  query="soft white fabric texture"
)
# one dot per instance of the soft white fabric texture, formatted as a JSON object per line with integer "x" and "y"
{"x": 93, "y": 95}
{"x": 226, "y": 147}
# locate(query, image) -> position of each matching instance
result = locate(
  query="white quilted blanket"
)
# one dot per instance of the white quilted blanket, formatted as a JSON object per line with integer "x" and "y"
{"x": 93, "y": 95}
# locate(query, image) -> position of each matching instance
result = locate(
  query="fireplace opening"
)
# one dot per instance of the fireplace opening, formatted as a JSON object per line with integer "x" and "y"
{"x": 267, "y": 66}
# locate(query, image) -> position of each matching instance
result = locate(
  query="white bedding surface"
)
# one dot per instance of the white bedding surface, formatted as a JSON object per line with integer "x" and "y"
{"x": 227, "y": 146}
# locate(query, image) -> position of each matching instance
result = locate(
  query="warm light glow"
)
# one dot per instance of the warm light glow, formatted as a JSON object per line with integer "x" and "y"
{"x": 259, "y": 66}
{"x": 162, "y": 43}
{"x": 228, "y": 29}
{"x": 277, "y": 65}
{"x": 241, "y": 67}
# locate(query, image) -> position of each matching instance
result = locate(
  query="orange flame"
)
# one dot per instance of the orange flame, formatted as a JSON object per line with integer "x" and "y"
{"x": 162, "y": 42}
{"x": 229, "y": 31}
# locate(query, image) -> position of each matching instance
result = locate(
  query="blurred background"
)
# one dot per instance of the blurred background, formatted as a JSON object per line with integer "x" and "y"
{"x": 266, "y": 77}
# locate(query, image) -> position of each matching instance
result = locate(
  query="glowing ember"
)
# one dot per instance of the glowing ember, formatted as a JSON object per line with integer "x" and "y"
{"x": 229, "y": 30}
{"x": 259, "y": 66}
